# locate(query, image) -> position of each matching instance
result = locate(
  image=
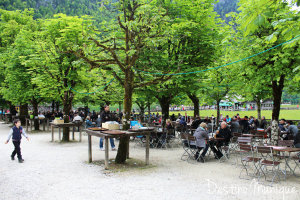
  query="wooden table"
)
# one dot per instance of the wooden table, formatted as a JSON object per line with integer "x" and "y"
{"x": 64, "y": 125}
{"x": 44, "y": 122}
{"x": 287, "y": 159}
{"x": 115, "y": 134}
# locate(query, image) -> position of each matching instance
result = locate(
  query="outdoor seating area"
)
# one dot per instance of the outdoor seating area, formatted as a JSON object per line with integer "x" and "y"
{"x": 150, "y": 99}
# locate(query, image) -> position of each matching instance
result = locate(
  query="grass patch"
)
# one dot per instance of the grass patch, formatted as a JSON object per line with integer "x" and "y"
{"x": 130, "y": 165}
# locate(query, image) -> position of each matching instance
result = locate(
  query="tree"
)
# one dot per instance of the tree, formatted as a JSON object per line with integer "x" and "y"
{"x": 15, "y": 44}
{"x": 57, "y": 69}
{"x": 137, "y": 24}
{"x": 272, "y": 23}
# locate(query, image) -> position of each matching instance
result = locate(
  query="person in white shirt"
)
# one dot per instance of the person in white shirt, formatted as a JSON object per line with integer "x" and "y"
{"x": 77, "y": 118}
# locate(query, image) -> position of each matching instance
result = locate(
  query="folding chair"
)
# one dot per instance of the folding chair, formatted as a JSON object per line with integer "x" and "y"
{"x": 247, "y": 157}
{"x": 185, "y": 145}
{"x": 192, "y": 148}
{"x": 233, "y": 147}
{"x": 241, "y": 140}
{"x": 167, "y": 139}
{"x": 172, "y": 140}
{"x": 268, "y": 161}
{"x": 225, "y": 151}
{"x": 296, "y": 159}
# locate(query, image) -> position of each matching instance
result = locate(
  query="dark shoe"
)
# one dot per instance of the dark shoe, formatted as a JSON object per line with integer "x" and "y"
{"x": 21, "y": 160}
{"x": 12, "y": 157}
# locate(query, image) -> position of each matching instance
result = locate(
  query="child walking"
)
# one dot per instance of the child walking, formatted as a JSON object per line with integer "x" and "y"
{"x": 16, "y": 133}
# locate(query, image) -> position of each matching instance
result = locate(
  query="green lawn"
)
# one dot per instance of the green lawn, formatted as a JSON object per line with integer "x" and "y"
{"x": 287, "y": 114}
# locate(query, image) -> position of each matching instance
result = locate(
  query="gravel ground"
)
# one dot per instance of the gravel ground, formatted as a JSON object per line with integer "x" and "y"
{"x": 60, "y": 171}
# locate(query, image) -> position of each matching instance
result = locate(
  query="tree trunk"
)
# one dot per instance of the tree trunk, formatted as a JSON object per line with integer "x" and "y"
{"x": 149, "y": 111}
{"x": 57, "y": 106}
{"x": 142, "y": 109}
{"x": 23, "y": 113}
{"x": 53, "y": 106}
{"x": 123, "y": 151}
{"x": 195, "y": 101}
{"x": 218, "y": 113}
{"x": 67, "y": 102}
{"x": 86, "y": 110}
{"x": 258, "y": 109}
{"x": 120, "y": 107}
{"x": 164, "y": 103}
{"x": 277, "y": 94}
{"x": 35, "y": 114}
{"x": 12, "y": 108}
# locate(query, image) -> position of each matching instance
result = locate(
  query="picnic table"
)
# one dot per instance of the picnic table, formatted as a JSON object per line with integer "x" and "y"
{"x": 64, "y": 125}
{"x": 106, "y": 134}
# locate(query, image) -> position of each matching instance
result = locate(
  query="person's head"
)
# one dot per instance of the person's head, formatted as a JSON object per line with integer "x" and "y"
{"x": 263, "y": 118}
{"x": 282, "y": 121}
{"x": 168, "y": 121}
{"x": 106, "y": 108}
{"x": 203, "y": 125}
{"x": 289, "y": 122}
{"x": 17, "y": 123}
{"x": 246, "y": 118}
{"x": 234, "y": 118}
{"x": 223, "y": 125}
{"x": 88, "y": 118}
{"x": 237, "y": 114}
{"x": 227, "y": 116}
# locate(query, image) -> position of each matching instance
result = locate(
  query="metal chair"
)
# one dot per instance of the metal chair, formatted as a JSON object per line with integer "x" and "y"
{"x": 268, "y": 161}
{"x": 185, "y": 145}
{"x": 247, "y": 156}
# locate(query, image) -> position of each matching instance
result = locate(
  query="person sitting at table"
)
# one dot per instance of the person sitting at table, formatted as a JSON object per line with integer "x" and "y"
{"x": 263, "y": 123}
{"x": 238, "y": 118}
{"x": 196, "y": 123}
{"x": 254, "y": 124}
{"x": 169, "y": 124}
{"x": 245, "y": 125}
{"x": 77, "y": 118}
{"x": 98, "y": 121}
{"x": 235, "y": 126}
{"x": 201, "y": 136}
{"x": 173, "y": 118}
{"x": 225, "y": 133}
{"x": 291, "y": 132}
{"x": 206, "y": 120}
{"x": 297, "y": 139}
{"x": 227, "y": 119}
{"x": 182, "y": 122}
{"x": 88, "y": 122}
{"x": 281, "y": 125}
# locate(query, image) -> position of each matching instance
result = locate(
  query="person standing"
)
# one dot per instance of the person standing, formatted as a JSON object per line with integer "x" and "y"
{"x": 16, "y": 133}
{"x": 105, "y": 117}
